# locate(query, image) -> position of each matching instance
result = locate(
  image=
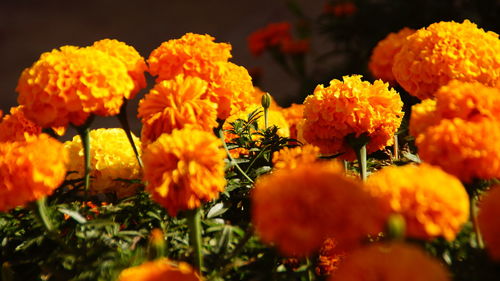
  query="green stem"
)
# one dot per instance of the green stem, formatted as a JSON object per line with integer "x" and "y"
{"x": 266, "y": 118}
{"x": 85, "y": 137}
{"x": 41, "y": 211}
{"x": 122, "y": 117}
{"x": 310, "y": 272}
{"x": 473, "y": 213}
{"x": 231, "y": 159}
{"x": 396, "y": 147}
{"x": 194, "y": 224}
{"x": 361, "y": 155}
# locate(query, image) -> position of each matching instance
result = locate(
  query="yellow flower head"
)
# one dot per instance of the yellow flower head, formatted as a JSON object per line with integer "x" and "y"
{"x": 15, "y": 125}
{"x": 444, "y": 51}
{"x": 382, "y": 58}
{"x": 184, "y": 169}
{"x": 111, "y": 159}
{"x": 129, "y": 56}
{"x": 349, "y": 107}
{"x": 175, "y": 104}
{"x": 297, "y": 209}
{"x": 30, "y": 169}
{"x": 489, "y": 211}
{"x": 67, "y": 85}
{"x": 160, "y": 270}
{"x": 390, "y": 262}
{"x": 293, "y": 115}
{"x": 433, "y": 203}
{"x": 291, "y": 158}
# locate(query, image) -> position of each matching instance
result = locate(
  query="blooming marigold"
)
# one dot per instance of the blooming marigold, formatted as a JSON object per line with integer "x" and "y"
{"x": 112, "y": 160}
{"x": 349, "y": 107}
{"x": 273, "y": 35}
{"x": 443, "y": 51}
{"x": 298, "y": 209}
{"x": 432, "y": 202}
{"x": 489, "y": 211}
{"x": 423, "y": 116}
{"x": 67, "y": 85}
{"x": 382, "y": 58}
{"x": 291, "y": 158}
{"x": 184, "y": 169}
{"x": 30, "y": 169}
{"x": 15, "y": 125}
{"x": 329, "y": 258}
{"x": 159, "y": 270}
{"x": 293, "y": 115}
{"x": 129, "y": 56}
{"x": 175, "y": 104}
{"x": 388, "y": 262}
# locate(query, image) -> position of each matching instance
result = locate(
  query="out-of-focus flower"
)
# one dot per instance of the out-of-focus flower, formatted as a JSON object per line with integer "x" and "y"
{"x": 487, "y": 218}
{"x": 15, "y": 125}
{"x": 351, "y": 106}
{"x": 175, "y": 104}
{"x": 160, "y": 270}
{"x": 293, "y": 115}
{"x": 390, "y": 262}
{"x": 184, "y": 169}
{"x": 273, "y": 35}
{"x": 329, "y": 258}
{"x": 30, "y": 169}
{"x": 432, "y": 202}
{"x": 382, "y": 58}
{"x": 112, "y": 160}
{"x": 295, "y": 47}
{"x": 444, "y": 51}
{"x": 291, "y": 158}
{"x": 67, "y": 85}
{"x": 129, "y": 56}
{"x": 341, "y": 9}
{"x": 423, "y": 116}
{"x": 297, "y": 209}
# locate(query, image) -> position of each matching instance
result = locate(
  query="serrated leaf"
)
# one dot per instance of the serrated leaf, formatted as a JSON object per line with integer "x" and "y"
{"x": 74, "y": 215}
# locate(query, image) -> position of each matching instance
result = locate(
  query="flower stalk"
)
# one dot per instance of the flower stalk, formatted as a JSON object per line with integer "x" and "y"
{"x": 84, "y": 131}
{"x": 122, "y": 117}
{"x": 359, "y": 145}
{"x": 194, "y": 224}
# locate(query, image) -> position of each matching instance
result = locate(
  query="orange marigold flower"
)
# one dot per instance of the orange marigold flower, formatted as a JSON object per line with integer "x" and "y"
{"x": 111, "y": 158}
{"x": 273, "y": 35}
{"x": 444, "y": 51}
{"x": 15, "y": 125}
{"x": 422, "y": 116}
{"x": 350, "y": 107}
{"x": 387, "y": 262}
{"x": 432, "y": 202}
{"x": 382, "y": 58}
{"x": 184, "y": 169}
{"x": 329, "y": 258}
{"x": 30, "y": 169}
{"x": 67, "y": 85}
{"x": 293, "y": 115}
{"x": 158, "y": 270}
{"x": 292, "y": 158}
{"x": 489, "y": 211}
{"x": 129, "y": 56}
{"x": 298, "y": 209}
{"x": 175, "y": 104}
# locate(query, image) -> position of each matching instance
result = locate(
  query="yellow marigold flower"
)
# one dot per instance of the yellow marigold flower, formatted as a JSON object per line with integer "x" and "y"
{"x": 129, "y": 56}
{"x": 293, "y": 115}
{"x": 175, "y": 104}
{"x": 349, "y": 107}
{"x": 30, "y": 169}
{"x": 444, "y": 51}
{"x": 489, "y": 211}
{"x": 67, "y": 85}
{"x": 432, "y": 202}
{"x": 298, "y": 209}
{"x": 382, "y": 58}
{"x": 159, "y": 270}
{"x": 329, "y": 258}
{"x": 390, "y": 262}
{"x": 184, "y": 169}
{"x": 15, "y": 125}
{"x": 292, "y": 158}
{"x": 111, "y": 158}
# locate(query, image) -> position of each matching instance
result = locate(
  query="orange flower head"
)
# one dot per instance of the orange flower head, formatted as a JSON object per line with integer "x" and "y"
{"x": 297, "y": 209}
{"x": 14, "y": 126}
{"x": 444, "y": 51}
{"x": 423, "y": 115}
{"x": 351, "y": 106}
{"x": 293, "y": 114}
{"x": 67, "y": 85}
{"x": 432, "y": 202}
{"x": 175, "y": 104}
{"x": 489, "y": 211}
{"x": 184, "y": 169}
{"x": 390, "y": 262}
{"x": 291, "y": 158}
{"x": 329, "y": 258}
{"x": 382, "y": 58}
{"x": 30, "y": 169}
{"x": 273, "y": 35}
{"x": 159, "y": 270}
{"x": 129, "y": 56}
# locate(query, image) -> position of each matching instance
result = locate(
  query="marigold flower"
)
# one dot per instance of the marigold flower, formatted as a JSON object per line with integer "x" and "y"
{"x": 129, "y": 56}
{"x": 432, "y": 202}
{"x": 273, "y": 35}
{"x": 329, "y": 258}
{"x": 295, "y": 47}
{"x": 298, "y": 209}
{"x": 382, "y": 58}
{"x": 293, "y": 114}
{"x": 351, "y": 106}
{"x": 175, "y": 104}
{"x": 30, "y": 169}
{"x": 341, "y": 9}
{"x": 112, "y": 160}
{"x": 292, "y": 158}
{"x": 387, "y": 262}
{"x": 15, "y": 125}
{"x": 158, "y": 270}
{"x": 67, "y": 85}
{"x": 487, "y": 218}
{"x": 423, "y": 116}
{"x": 184, "y": 169}
{"x": 444, "y": 51}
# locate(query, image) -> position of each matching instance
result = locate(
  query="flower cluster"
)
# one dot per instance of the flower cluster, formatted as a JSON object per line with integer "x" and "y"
{"x": 160, "y": 269}
{"x": 15, "y": 125}
{"x": 488, "y": 221}
{"x": 291, "y": 158}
